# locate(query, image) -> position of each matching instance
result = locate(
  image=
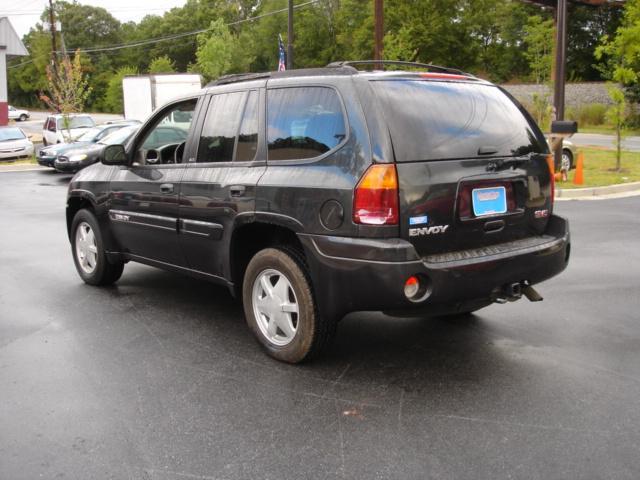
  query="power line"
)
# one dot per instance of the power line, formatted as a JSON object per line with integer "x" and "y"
{"x": 140, "y": 43}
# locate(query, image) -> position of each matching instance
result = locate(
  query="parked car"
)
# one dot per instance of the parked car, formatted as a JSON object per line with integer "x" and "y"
{"x": 314, "y": 193}
{"x": 55, "y": 129}
{"x": 569, "y": 152}
{"x": 17, "y": 114}
{"x": 76, "y": 157}
{"x": 14, "y": 143}
{"x": 48, "y": 155}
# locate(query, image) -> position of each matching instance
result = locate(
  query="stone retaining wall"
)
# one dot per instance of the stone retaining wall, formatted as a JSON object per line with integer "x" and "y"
{"x": 576, "y": 94}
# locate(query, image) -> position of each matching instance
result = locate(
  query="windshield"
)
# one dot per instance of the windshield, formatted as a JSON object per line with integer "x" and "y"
{"x": 119, "y": 137}
{"x": 76, "y": 122}
{"x": 11, "y": 133}
{"x": 90, "y": 135}
{"x": 445, "y": 120}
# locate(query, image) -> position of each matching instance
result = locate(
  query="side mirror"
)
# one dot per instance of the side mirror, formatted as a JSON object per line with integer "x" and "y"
{"x": 564, "y": 128}
{"x": 114, "y": 155}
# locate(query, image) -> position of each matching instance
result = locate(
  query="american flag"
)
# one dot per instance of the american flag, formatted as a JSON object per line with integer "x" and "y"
{"x": 281, "y": 55}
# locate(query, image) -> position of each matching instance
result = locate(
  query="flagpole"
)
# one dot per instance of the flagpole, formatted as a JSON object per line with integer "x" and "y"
{"x": 290, "y": 37}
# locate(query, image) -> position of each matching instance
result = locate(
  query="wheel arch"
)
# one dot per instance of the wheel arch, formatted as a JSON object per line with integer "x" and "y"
{"x": 248, "y": 238}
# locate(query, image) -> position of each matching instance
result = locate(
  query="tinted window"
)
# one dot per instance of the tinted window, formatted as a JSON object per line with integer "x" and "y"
{"x": 439, "y": 120}
{"x": 220, "y": 128}
{"x": 168, "y": 131}
{"x": 248, "y": 134}
{"x": 303, "y": 122}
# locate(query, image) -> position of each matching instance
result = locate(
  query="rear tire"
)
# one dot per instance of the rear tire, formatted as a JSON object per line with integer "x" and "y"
{"x": 567, "y": 160}
{"x": 280, "y": 307}
{"x": 87, "y": 248}
{"x": 23, "y": 118}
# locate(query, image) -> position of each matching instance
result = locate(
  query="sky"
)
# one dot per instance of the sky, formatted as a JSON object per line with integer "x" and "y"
{"x": 25, "y": 14}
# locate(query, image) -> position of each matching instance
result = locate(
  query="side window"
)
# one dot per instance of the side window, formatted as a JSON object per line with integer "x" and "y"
{"x": 104, "y": 133}
{"x": 220, "y": 128}
{"x": 248, "y": 133}
{"x": 163, "y": 141}
{"x": 52, "y": 124}
{"x": 303, "y": 122}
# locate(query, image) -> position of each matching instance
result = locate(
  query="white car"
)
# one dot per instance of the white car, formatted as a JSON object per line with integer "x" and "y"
{"x": 16, "y": 114}
{"x": 14, "y": 143}
{"x": 55, "y": 130}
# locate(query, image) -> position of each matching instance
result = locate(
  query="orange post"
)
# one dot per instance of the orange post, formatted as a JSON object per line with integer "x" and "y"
{"x": 578, "y": 178}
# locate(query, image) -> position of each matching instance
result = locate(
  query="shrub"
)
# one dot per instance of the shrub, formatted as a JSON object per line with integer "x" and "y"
{"x": 592, "y": 114}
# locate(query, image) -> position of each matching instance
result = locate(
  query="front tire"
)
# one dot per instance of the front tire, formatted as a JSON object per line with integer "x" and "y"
{"x": 23, "y": 118}
{"x": 88, "y": 252}
{"x": 280, "y": 307}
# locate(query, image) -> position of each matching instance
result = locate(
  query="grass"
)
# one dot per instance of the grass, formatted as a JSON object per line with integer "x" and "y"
{"x": 606, "y": 130}
{"x": 599, "y": 168}
{"x": 23, "y": 161}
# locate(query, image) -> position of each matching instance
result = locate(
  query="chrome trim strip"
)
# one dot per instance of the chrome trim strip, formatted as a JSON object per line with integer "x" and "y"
{"x": 143, "y": 215}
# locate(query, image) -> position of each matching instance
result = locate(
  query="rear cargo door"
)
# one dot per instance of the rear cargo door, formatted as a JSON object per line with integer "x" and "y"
{"x": 471, "y": 164}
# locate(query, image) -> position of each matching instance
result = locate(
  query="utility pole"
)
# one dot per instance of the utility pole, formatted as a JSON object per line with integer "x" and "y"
{"x": 52, "y": 28}
{"x": 378, "y": 13}
{"x": 559, "y": 68}
{"x": 290, "y": 37}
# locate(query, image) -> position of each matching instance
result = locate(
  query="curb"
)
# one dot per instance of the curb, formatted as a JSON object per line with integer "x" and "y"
{"x": 592, "y": 193}
{"x": 21, "y": 168}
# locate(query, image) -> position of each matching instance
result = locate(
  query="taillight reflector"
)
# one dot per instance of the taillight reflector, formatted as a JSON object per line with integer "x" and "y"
{"x": 551, "y": 163}
{"x": 375, "y": 199}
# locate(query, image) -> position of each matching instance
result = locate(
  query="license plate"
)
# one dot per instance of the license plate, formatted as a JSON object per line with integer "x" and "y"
{"x": 489, "y": 201}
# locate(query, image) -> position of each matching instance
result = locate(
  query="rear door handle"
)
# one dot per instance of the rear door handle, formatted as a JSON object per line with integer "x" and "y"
{"x": 166, "y": 188}
{"x": 237, "y": 190}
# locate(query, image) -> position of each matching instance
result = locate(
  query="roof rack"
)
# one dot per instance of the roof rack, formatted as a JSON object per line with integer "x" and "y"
{"x": 238, "y": 77}
{"x": 431, "y": 67}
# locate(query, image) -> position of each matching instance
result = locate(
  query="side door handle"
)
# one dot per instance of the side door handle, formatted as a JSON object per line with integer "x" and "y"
{"x": 237, "y": 190}
{"x": 166, "y": 188}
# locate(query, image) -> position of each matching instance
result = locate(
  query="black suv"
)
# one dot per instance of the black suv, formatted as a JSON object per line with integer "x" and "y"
{"x": 314, "y": 193}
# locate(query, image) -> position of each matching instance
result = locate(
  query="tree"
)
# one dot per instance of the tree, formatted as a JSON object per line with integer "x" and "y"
{"x": 621, "y": 54}
{"x": 220, "y": 52}
{"x": 616, "y": 116}
{"x": 161, "y": 64}
{"x": 538, "y": 36}
{"x": 68, "y": 87}
{"x": 113, "y": 100}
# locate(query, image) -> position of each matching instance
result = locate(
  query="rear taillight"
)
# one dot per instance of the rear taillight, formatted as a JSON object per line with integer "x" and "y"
{"x": 552, "y": 173}
{"x": 375, "y": 199}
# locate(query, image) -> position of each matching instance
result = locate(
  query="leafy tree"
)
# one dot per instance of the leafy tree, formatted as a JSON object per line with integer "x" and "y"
{"x": 585, "y": 28}
{"x": 161, "y": 64}
{"x": 538, "y": 36}
{"x": 68, "y": 88}
{"x": 113, "y": 101}
{"x": 616, "y": 116}
{"x": 621, "y": 53}
{"x": 67, "y": 85}
{"x": 220, "y": 52}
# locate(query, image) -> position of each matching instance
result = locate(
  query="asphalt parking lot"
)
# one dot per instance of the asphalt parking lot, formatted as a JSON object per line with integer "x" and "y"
{"x": 158, "y": 377}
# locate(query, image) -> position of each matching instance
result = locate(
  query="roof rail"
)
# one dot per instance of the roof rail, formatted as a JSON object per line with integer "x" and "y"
{"x": 438, "y": 68}
{"x": 238, "y": 77}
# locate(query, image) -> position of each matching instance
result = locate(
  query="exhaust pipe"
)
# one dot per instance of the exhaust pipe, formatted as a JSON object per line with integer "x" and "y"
{"x": 512, "y": 292}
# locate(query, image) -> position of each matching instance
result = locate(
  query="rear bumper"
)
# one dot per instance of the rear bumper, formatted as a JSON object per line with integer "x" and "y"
{"x": 352, "y": 274}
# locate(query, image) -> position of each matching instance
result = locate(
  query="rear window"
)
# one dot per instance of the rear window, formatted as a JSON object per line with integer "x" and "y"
{"x": 75, "y": 122}
{"x": 445, "y": 120}
{"x": 303, "y": 122}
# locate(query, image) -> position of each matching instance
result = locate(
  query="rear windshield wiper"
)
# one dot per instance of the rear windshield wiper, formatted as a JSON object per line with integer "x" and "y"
{"x": 500, "y": 163}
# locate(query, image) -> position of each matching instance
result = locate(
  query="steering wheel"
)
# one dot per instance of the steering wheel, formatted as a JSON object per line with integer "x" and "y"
{"x": 177, "y": 155}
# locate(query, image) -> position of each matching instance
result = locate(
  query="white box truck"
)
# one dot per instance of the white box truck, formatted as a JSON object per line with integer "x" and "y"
{"x": 142, "y": 94}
